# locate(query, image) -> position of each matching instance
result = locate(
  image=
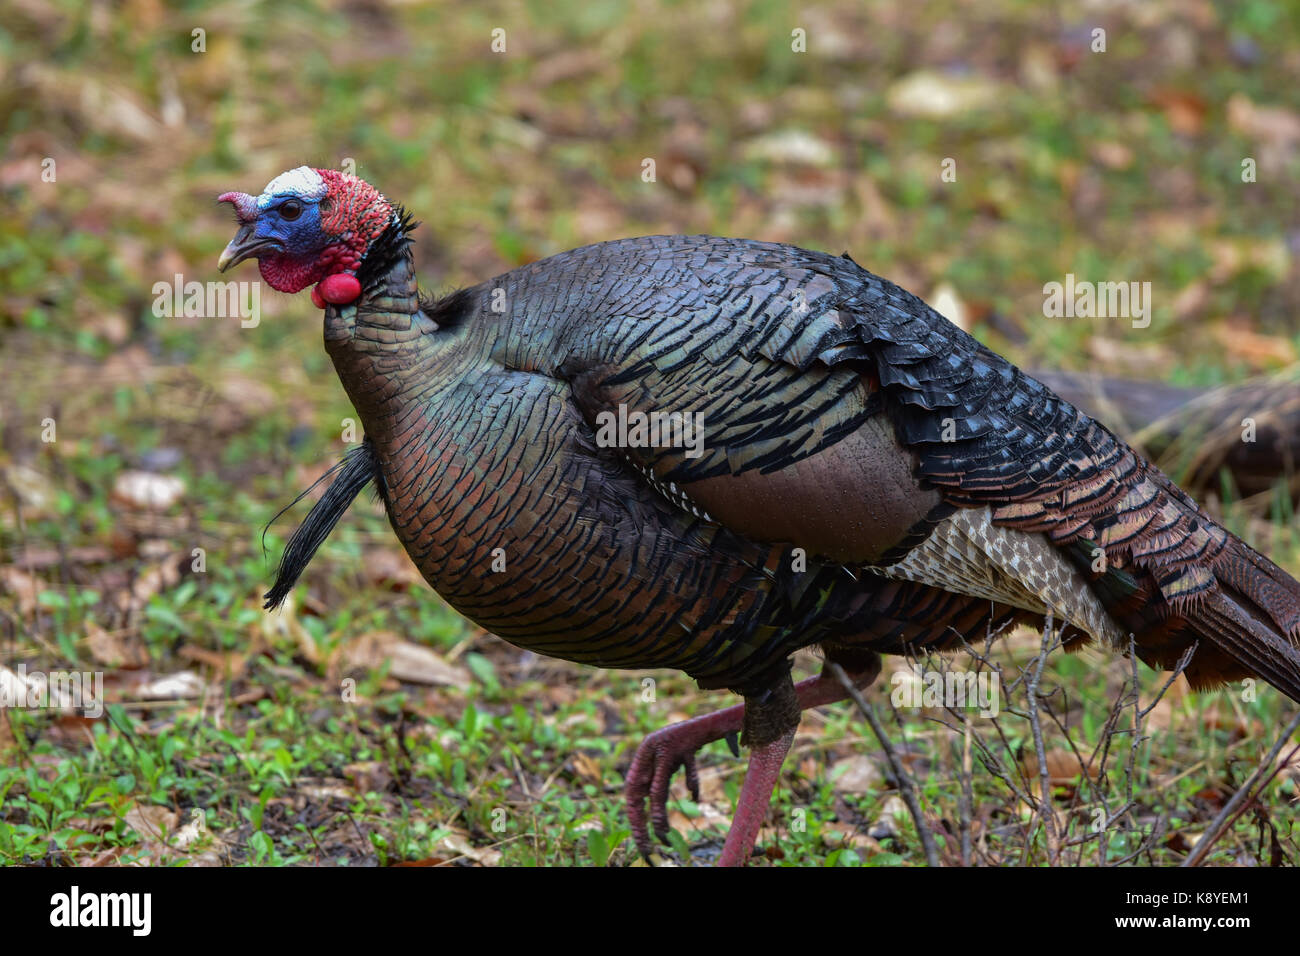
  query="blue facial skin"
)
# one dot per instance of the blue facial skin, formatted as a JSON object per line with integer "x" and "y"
{"x": 300, "y": 237}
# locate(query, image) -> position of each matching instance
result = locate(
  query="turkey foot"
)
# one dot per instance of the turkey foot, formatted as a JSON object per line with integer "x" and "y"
{"x": 665, "y": 750}
{"x": 657, "y": 759}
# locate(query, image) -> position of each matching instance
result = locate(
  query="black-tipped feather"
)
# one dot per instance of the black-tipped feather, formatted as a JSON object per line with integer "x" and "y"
{"x": 357, "y": 469}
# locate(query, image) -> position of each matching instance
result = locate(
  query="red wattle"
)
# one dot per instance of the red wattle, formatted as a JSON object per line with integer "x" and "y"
{"x": 340, "y": 288}
{"x": 316, "y": 300}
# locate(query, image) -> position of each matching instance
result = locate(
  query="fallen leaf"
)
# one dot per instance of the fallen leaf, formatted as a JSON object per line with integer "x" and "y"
{"x": 182, "y": 684}
{"x": 587, "y": 767}
{"x": 1184, "y": 110}
{"x": 408, "y": 662}
{"x": 325, "y": 792}
{"x": 457, "y": 844}
{"x": 154, "y": 579}
{"x": 710, "y": 816}
{"x": 886, "y": 824}
{"x": 189, "y": 834}
{"x": 151, "y": 822}
{"x": 163, "y": 841}
{"x": 24, "y": 587}
{"x": 933, "y": 95}
{"x": 1274, "y": 124}
{"x": 34, "y": 490}
{"x": 836, "y": 835}
{"x": 368, "y": 776}
{"x": 855, "y": 775}
{"x": 1253, "y": 347}
{"x": 147, "y": 491}
{"x": 1112, "y": 154}
{"x": 1063, "y": 767}
{"x": 116, "y": 648}
{"x": 284, "y": 625}
{"x": 945, "y": 300}
{"x": 791, "y": 146}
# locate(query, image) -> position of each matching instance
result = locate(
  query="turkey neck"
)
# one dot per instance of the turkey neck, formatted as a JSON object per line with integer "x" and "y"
{"x": 388, "y": 353}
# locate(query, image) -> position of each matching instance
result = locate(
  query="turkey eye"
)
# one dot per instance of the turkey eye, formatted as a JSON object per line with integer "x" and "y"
{"x": 291, "y": 210}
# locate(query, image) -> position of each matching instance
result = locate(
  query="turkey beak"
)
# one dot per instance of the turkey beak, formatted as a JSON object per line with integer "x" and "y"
{"x": 245, "y": 244}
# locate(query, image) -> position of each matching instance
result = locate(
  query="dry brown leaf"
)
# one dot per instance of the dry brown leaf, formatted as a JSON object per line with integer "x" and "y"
{"x": 368, "y": 776}
{"x": 110, "y": 857}
{"x": 147, "y": 491}
{"x": 1063, "y": 767}
{"x": 587, "y": 767}
{"x": 945, "y": 300}
{"x": 836, "y": 835}
{"x": 857, "y": 774}
{"x": 409, "y": 662}
{"x": 284, "y": 625}
{"x": 177, "y": 686}
{"x": 791, "y": 146}
{"x": 325, "y": 792}
{"x": 247, "y": 394}
{"x": 164, "y": 841}
{"x": 1254, "y": 347}
{"x": 457, "y": 844}
{"x": 1231, "y": 256}
{"x": 933, "y": 95}
{"x": 228, "y": 664}
{"x": 1192, "y": 300}
{"x": 710, "y": 816}
{"x": 151, "y": 822}
{"x": 567, "y": 64}
{"x": 34, "y": 490}
{"x": 23, "y": 587}
{"x": 713, "y": 786}
{"x": 891, "y": 816}
{"x": 154, "y": 579}
{"x": 1112, "y": 154}
{"x": 1127, "y": 355}
{"x": 118, "y": 648}
{"x": 1274, "y": 125}
{"x": 1184, "y": 110}
{"x": 37, "y": 556}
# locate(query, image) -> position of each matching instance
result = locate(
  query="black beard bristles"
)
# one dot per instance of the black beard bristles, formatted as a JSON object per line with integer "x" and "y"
{"x": 387, "y": 248}
{"x": 357, "y": 469}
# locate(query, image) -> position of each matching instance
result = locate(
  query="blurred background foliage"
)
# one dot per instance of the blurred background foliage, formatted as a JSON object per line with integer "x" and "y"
{"x": 1114, "y": 166}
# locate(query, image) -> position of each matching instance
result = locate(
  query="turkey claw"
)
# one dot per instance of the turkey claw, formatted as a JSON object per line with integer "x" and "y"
{"x": 656, "y": 760}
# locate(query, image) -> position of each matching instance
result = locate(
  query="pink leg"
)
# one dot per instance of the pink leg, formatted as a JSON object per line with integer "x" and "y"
{"x": 755, "y": 796}
{"x": 663, "y": 751}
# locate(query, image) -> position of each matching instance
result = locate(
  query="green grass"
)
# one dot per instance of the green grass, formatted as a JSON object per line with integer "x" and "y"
{"x": 526, "y": 760}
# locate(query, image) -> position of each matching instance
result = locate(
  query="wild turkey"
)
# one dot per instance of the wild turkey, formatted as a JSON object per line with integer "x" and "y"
{"x": 871, "y": 479}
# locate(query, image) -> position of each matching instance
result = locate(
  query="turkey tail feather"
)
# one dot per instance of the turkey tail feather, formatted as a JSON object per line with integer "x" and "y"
{"x": 1253, "y": 616}
{"x": 1263, "y": 583}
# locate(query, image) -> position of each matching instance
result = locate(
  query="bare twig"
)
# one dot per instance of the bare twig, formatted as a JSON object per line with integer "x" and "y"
{"x": 966, "y": 800}
{"x": 1046, "y": 811}
{"x": 1227, "y": 814}
{"x": 904, "y": 781}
